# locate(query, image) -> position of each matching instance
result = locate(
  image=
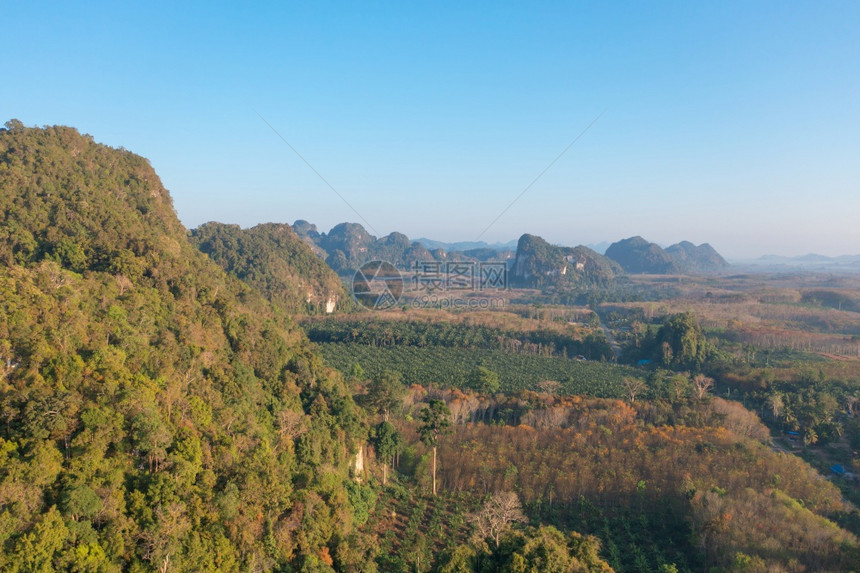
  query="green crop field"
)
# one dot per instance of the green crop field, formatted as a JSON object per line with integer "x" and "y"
{"x": 450, "y": 367}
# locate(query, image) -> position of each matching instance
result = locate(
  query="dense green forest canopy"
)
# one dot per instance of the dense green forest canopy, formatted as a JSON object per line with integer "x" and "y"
{"x": 156, "y": 413}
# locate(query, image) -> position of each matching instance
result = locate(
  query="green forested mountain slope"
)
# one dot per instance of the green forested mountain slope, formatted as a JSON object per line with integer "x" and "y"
{"x": 155, "y": 413}
{"x": 696, "y": 258}
{"x": 636, "y": 255}
{"x": 274, "y": 260}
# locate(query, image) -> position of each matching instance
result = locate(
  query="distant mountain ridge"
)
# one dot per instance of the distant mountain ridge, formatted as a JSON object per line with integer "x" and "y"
{"x": 467, "y": 245}
{"x": 599, "y": 247}
{"x": 347, "y": 246}
{"x": 637, "y": 255}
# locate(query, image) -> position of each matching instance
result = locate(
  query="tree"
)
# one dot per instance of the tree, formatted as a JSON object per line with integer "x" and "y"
{"x": 152, "y": 436}
{"x": 435, "y": 421}
{"x": 550, "y": 387}
{"x": 633, "y": 386}
{"x": 682, "y": 343}
{"x": 547, "y": 550}
{"x": 462, "y": 559}
{"x": 15, "y": 125}
{"x": 35, "y": 551}
{"x": 497, "y": 515}
{"x": 80, "y": 501}
{"x": 679, "y": 386}
{"x": 385, "y": 393}
{"x": 775, "y": 404}
{"x": 357, "y": 372}
{"x": 586, "y": 550}
{"x": 703, "y": 384}
{"x": 484, "y": 380}
{"x": 386, "y": 440}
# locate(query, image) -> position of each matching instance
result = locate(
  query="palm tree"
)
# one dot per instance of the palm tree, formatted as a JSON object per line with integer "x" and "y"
{"x": 435, "y": 421}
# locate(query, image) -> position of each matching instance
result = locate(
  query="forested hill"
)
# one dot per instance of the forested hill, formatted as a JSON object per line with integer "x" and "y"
{"x": 636, "y": 255}
{"x": 274, "y": 260}
{"x": 697, "y": 258}
{"x": 157, "y": 414}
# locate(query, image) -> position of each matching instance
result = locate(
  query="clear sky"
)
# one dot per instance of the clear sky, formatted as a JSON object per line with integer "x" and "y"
{"x": 734, "y": 123}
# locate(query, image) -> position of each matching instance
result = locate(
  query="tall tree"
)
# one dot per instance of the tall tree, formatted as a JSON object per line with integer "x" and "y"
{"x": 435, "y": 422}
{"x": 679, "y": 386}
{"x": 386, "y": 440}
{"x": 682, "y": 343}
{"x": 775, "y": 404}
{"x": 385, "y": 394}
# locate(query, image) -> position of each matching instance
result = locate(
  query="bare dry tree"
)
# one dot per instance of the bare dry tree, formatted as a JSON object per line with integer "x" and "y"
{"x": 550, "y": 387}
{"x": 703, "y": 384}
{"x": 498, "y": 514}
{"x": 633, "y": 386}
{"x": 290, "y": 425}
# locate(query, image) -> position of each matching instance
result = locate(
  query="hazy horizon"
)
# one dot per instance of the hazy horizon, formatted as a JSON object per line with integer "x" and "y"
{"x": 733, "y": 123}
{"x": 605, "y": 242}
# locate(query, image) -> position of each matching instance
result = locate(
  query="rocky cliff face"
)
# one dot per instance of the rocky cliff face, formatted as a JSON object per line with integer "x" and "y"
{"x": 539, "y": 264}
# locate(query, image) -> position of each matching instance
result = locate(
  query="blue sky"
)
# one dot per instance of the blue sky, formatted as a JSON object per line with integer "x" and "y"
{"x": 734, "y": 123}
